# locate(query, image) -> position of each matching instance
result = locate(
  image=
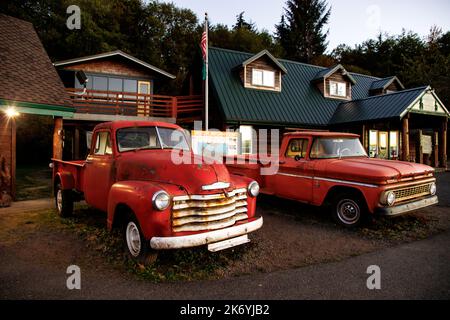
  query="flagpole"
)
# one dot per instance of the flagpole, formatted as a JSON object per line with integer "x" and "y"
{"x": 207, "y": 77}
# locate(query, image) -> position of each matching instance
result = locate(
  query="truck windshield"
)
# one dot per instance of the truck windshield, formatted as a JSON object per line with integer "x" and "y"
{"x": 332, "y": 148}
{"x": 138, "y": 138}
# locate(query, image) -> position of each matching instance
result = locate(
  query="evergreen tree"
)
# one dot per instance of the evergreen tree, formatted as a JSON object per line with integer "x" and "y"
{"x": 301, "y": 30}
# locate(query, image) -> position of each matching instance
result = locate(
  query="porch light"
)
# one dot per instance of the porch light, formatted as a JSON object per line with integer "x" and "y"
{"x": 11, "y": 112}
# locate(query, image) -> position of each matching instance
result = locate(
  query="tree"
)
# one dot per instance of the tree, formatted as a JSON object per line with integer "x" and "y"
{"x": 301, "y": 29}
{"x": 241, "y": 23}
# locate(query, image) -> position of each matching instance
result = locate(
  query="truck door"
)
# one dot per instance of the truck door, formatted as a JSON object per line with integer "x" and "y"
{"x": 97, "y": 172}
{"x": 295, "y": 176}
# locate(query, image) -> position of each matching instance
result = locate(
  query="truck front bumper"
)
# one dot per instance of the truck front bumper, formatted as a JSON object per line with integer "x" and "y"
{"x": 407, "y": 207}
{"x": 195, "y": 240}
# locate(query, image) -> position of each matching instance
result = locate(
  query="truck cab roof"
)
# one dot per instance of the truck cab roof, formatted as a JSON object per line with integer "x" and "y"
{"x": 115, "y": 125}
{"x": 320, "y": 134}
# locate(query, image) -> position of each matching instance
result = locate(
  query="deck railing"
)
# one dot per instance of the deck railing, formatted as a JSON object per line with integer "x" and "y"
{"x": 182, "y": 108}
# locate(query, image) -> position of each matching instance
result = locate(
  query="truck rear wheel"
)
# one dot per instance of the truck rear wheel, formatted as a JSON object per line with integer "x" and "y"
{"x": 137, "y": 247}
{"x": 63, "y": 201}
{"x": 348, "y": 210}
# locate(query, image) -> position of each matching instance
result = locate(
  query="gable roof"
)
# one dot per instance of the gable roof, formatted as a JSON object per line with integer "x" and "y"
{"x": 260, "y": 55}
{"x": 321, "y": 75}
{"x": 116, "y": 53}
{"x": 389, "y": 106}
{"x": 299, "y": 102}
{"x": 27, "y": 76}
{"x": 386, "y": 82}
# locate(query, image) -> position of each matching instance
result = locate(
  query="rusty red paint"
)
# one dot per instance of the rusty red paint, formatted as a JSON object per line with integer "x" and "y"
{"x": 132, "y": 178}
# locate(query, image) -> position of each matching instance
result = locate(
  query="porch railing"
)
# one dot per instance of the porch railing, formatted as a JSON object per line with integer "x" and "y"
{"x": 183, "y": 108}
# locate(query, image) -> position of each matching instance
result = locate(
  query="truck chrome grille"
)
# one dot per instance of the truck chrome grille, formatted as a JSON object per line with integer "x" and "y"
{"x": 209, "y": 212}
{"x": 412, "y": 192}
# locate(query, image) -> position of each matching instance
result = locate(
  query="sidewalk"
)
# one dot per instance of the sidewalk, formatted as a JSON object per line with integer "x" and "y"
{"x": 29, "y": 205}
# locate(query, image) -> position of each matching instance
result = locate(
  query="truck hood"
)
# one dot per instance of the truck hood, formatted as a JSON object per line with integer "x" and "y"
{"x": 157, "y": 166}
{"x": 375, "y": 171}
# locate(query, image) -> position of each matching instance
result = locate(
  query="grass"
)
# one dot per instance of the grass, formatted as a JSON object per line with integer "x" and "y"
{"x": 33, "y": 182}
{"x": 173, "y": 265}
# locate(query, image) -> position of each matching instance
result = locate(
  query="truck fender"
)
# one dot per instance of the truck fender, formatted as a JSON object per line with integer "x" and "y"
{"x": 66, "y": 179}
{"x": 137, "y": 197}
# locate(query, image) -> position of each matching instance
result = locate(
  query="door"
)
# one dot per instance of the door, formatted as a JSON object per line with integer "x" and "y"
{"x": 97, "y": 173}
{"x": 295, "y": 176}
{"x": 144, "y": 87}
{"x": 383, "y": 145}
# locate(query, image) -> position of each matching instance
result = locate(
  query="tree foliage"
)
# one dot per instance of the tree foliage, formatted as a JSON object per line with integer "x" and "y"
{"x": 414, "y": 60}
{"x": 301, "y": 30}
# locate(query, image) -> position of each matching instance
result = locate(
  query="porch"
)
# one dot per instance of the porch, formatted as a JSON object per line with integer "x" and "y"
{"x": 113, "y": 104}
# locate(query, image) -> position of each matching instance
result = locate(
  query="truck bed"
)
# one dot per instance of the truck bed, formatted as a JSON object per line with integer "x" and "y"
{"x": 70, "y": 169}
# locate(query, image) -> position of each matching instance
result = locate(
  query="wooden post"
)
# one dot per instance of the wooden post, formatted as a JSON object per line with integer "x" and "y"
{"x": 443, "y": 148}
{"x": 174, "y": 108}
{"x": 435, "y": 149}
{"x": 420, "y": 147}
{"x": 13, "y": 158}
{"x": 363, "y": 136}
{"x": 76, "y": 144}
{"x": 58, "y": 138}
{"x": 405, "y": 139}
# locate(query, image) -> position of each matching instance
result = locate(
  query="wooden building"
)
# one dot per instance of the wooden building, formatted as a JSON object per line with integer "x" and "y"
{"x": 28, "y": 84}
{"x": 259, "y": 91}
{"x": 119, "y": 87}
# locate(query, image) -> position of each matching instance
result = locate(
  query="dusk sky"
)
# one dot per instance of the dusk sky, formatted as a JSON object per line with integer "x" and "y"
{"x": 351, "y": 22}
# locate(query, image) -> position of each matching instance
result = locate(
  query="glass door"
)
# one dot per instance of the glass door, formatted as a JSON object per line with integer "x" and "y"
{"x": 383, "y": 145}
{"x": 144, "y": 100}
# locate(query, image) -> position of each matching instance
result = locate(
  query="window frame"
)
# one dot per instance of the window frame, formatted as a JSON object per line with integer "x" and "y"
{"x": 263, "y": 76}
{"x": 337, "y": 83}
{"x": 108, "y": 143}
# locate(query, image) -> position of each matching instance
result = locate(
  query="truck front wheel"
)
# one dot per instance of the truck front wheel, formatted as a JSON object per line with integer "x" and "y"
{"x": 63, "y": 201}
{"x": 348, "y": 211}
{"x": 137, "y": 247}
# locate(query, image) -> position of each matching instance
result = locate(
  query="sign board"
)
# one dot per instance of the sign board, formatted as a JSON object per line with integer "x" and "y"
{"x": 426, "y": 144}
{"x": 218, "y": 142}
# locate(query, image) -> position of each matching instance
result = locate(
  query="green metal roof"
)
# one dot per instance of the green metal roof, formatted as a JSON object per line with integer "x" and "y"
{"x": 328, "y": 72}
{"x": 298, "y": 103}
{"x": 388, "y": 106}
{"x": 37, "y": 108}
{"x": 384, "y": 83}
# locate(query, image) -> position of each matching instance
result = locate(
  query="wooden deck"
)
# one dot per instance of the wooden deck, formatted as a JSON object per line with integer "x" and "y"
{"x": 182, "y": 108}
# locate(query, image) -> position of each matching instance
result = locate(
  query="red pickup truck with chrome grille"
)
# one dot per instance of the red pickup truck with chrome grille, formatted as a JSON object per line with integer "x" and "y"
{"x": 329, "y": 168}
{"x": 133, "y": 173}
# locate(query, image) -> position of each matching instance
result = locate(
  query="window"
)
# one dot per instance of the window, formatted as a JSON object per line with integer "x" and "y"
{"x": 103, "y": 144}
{"x": 246, "y": 139}
{"x": 100, "y": 83}
{"x": 333, "y": 148}
{"x": 263, "y": 78}
{"x": 115, "y": 84}
{"x": 393, "y": 144}
{"x": 338, "y": 89}
{"x": 297, "y": 147}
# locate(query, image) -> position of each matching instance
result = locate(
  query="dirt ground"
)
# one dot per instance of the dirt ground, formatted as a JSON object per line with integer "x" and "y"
{"x": 293, "y": 236}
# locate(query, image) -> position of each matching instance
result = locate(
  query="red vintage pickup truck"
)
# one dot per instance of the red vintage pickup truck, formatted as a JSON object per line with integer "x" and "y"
{"x": 328, "y": 168}
{"x": 130, "y": 173}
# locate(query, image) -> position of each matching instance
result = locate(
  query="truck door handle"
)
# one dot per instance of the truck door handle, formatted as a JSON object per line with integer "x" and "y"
{"x": 282, "y": 162}
{"x": 88, "y": 161}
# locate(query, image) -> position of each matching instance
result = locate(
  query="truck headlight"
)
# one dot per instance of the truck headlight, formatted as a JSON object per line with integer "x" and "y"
{"x": 390, "y": 198}
{"x": 161, "y": 200}
{"x": 433, "y": 189}
{"x": 253, "y": 189}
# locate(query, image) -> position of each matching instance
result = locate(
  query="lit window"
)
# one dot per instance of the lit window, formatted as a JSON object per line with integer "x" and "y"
{"x": 338, "y": 89}
{"x": 246, "y": 139}
{"x": 263, "y": 78}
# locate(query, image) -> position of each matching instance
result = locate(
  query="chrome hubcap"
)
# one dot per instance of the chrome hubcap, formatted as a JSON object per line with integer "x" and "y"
{"x": 133, "y": 239}
{"x": 59, "y": 200}
{"x": 348, "y": 211}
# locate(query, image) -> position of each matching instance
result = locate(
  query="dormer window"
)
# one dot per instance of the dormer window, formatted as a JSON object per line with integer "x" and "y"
{"x": 334, "y": 83}
{"x": 262, "y": 72}
{"x": 338, "y": 89}
{"x": 263, "y": 78}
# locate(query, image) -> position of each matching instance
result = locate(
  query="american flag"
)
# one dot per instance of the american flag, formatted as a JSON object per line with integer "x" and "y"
{"x": 203, "y": 44}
